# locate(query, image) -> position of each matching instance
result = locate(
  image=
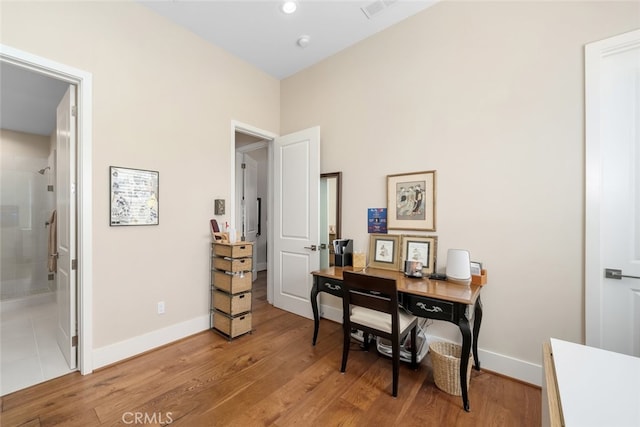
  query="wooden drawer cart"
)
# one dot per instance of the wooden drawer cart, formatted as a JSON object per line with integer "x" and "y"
{"x": 231, "y": 280}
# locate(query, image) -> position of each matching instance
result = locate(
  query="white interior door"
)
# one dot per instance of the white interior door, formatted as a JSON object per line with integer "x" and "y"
{"x": 296, "y": 159}
{"x": 66, "y": 230}
{"x": 613, "y": 194}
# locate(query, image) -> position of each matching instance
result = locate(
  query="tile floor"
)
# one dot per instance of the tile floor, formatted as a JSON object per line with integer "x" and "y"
{"x": 29, "y": 353}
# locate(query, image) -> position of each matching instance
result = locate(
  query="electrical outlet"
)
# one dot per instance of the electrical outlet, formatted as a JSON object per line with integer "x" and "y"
{"x": 161, "y": 307}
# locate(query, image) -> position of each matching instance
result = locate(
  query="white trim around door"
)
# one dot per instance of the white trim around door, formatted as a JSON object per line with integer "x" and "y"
{"x": 83, "y": 81}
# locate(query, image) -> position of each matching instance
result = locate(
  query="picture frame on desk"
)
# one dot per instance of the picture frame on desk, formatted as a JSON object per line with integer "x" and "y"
{"x": 420, "y": 248}
{"x": 411, "y": 201}
{"x": 384, "y": 251}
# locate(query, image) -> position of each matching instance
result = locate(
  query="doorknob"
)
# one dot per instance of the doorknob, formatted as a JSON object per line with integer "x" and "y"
{"x": 312, "y": 247}
{"x": 612, "y": 273}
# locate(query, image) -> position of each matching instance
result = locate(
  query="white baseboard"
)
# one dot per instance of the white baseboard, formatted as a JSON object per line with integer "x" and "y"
{"x": 504, "y": 365}
{"x": 511, "y": 367}
{"x": 331, "y": 313}
{"x": 119, "y": 351}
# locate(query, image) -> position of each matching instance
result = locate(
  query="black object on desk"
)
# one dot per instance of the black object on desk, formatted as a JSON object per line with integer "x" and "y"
{"x": 343, "y": 249}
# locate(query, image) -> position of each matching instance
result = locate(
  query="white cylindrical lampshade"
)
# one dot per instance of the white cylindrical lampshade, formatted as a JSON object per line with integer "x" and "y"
{"x": 458, "y": 265}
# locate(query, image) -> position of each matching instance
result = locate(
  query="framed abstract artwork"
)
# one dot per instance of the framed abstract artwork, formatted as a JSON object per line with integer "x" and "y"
{"x": 134, "y": 196}
{"x": 411, "y": 201}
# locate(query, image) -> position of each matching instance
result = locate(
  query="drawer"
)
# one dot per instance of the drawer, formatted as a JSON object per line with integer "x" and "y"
{"x": 231, "y": 304}
{"x": 232, "y": 264}
{"x": 233, "y": 250}
{"x": 431, "y": 308}
{"x": 333, "y": 287}
{"x": 232, "y": 326}
{"x": 232, "y": 283}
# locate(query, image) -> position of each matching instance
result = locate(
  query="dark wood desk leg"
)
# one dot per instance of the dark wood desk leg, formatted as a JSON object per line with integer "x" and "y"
{"x": 463, "y": 324}
{"x": 477, "y": 320}
{"x": 314, "y": 307}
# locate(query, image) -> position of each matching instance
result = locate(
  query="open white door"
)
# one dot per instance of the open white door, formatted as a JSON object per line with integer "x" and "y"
{"x": 296, "y": 198}
{"x": 612, "y": 267}
{"x": 66, "y": 230}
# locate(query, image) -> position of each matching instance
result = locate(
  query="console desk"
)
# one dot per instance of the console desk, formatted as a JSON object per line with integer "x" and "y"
{"x": 432, "y": 299}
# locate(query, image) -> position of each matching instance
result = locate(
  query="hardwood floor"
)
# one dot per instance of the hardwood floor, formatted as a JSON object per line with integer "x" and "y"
{"x": 274, "y": 377}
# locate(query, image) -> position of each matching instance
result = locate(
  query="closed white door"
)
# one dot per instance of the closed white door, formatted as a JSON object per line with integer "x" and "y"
{"x": 296, "y": 197}
{"x": 613, "y": 194}
{"x": 66, "y": 229}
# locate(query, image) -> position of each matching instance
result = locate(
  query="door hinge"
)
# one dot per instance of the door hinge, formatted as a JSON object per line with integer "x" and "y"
{"x": 74, "y": 341}
{"x": 243, "y": 165}
{"x": 74, "y": 111}
{"x": 74, "y": 264}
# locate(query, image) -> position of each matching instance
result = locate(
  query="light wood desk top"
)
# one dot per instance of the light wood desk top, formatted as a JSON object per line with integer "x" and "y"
{"x": 440, "y": 289}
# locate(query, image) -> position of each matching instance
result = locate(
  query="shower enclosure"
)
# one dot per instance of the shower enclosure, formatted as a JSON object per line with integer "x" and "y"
{"x": 26, "y": 205}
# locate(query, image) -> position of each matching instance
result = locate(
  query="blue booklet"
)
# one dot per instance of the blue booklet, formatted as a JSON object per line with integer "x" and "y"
{"x": 377, "y": 220}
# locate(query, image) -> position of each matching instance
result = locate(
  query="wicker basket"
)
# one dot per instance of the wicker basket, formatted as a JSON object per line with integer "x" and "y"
{"x": 445, "y": 360}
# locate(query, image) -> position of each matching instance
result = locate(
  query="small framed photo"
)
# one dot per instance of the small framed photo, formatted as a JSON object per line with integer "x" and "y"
{"x": 218, "y": 207}
{"x": 411, "y": 201}
{"x": 476, "y": 268}
{"x": 384, "y": 251}
{"x": 420, "y": 248}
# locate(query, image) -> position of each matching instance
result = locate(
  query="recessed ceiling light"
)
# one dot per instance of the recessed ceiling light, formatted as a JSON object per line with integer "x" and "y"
{"x": 289, "y": 6}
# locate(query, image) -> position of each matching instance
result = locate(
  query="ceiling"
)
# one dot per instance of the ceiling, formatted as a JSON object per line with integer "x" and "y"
{"x": 261, "y": 34}
{"x": 28, "y": 100}
{"x": 255, "y": 31}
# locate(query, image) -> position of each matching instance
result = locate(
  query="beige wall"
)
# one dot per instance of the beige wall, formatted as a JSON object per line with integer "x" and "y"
{"x": 21, "y": 145}
{"x": 491, "y": 96}
{"x": 163, "y": 99}
{"x": 488, "y": 94}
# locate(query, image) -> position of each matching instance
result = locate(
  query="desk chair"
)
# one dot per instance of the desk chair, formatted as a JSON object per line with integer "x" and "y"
{"x": 370, "y": 304}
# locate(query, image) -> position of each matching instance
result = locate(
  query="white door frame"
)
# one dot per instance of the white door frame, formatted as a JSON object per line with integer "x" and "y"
{"x": 83, "y": 82}
{"x": 237, "y": 126}
{"x": 594, "y": 268}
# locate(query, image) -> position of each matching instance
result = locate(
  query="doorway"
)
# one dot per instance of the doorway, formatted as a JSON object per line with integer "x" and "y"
{"x": 29, "y": 353}
{"x": 252, "y": 195}
{"x": 29, "y": 299}
{"x": 255, "y": 142}
{"x": 25, "y": 62}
